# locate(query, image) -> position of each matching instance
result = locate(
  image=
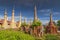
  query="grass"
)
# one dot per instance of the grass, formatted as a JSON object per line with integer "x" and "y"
{"x": 18, "y": 35}
{"x": 14, "y": 35}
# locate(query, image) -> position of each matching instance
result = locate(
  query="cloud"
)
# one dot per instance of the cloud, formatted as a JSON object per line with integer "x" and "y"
{"x": 44, "y": 22}
{"x": 17, "y": 18}
{"x": 44, "y": 18}
{"x": 1, "y": 17}
{"x": 56, "y": 13}
{"x": 45, "y": 10}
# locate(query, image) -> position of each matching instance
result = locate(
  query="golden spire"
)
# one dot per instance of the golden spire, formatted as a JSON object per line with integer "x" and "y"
{"x": 13, "y": 25}
{"x": 5, "y": 24}
{"x": 5, "y": 15}
{"x": 20, "y": 20}
{"x": 20, "y": 16}
{"x": 12, "y": 15}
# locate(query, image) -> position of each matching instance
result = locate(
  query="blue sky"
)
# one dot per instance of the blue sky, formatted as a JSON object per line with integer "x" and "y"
{"x": 26, "y": 7}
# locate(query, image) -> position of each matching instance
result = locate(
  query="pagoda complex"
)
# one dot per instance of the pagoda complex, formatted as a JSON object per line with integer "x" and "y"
{"x": 51, "y": 28}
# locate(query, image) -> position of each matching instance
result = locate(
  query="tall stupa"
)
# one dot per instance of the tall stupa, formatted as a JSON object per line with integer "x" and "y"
{"x": 35, "y": 13}
{"x": 20, "y": 17}
{"x": 5, "y": 24}
{"x": 13, "y": 25}
{"x": 51, "y": 28}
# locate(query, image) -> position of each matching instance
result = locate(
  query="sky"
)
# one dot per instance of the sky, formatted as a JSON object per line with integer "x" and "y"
{"x": 26, "y": 7}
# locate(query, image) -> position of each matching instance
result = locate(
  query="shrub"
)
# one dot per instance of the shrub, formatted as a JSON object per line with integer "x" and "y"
{"x": 24, "y": 24}
{"x": 36, "y": 23}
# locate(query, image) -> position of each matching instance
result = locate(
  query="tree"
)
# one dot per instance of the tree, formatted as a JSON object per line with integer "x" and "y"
{"x": 54, "y": 23}
{"x": 58, "y": 23}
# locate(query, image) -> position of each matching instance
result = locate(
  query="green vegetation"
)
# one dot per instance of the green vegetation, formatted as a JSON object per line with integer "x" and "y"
{"x": 24, "y": 24}
{"x": 35, "y": 24}
{"x": 18, "y": 35}
{"x": 51, "y": 37}
{"x": 58, "y": 23}
{"x": 14, "y": 35}
{"x": 54, "y": 23}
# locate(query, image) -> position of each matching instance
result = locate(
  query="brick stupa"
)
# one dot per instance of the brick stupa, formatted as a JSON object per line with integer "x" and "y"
{"x": 51, "y": 28}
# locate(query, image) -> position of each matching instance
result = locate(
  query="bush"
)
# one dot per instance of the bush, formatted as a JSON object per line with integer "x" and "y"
{"x": 24, "y": 24}
{"x": 14, "y": 35}
{"x": 35, "y": 24}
